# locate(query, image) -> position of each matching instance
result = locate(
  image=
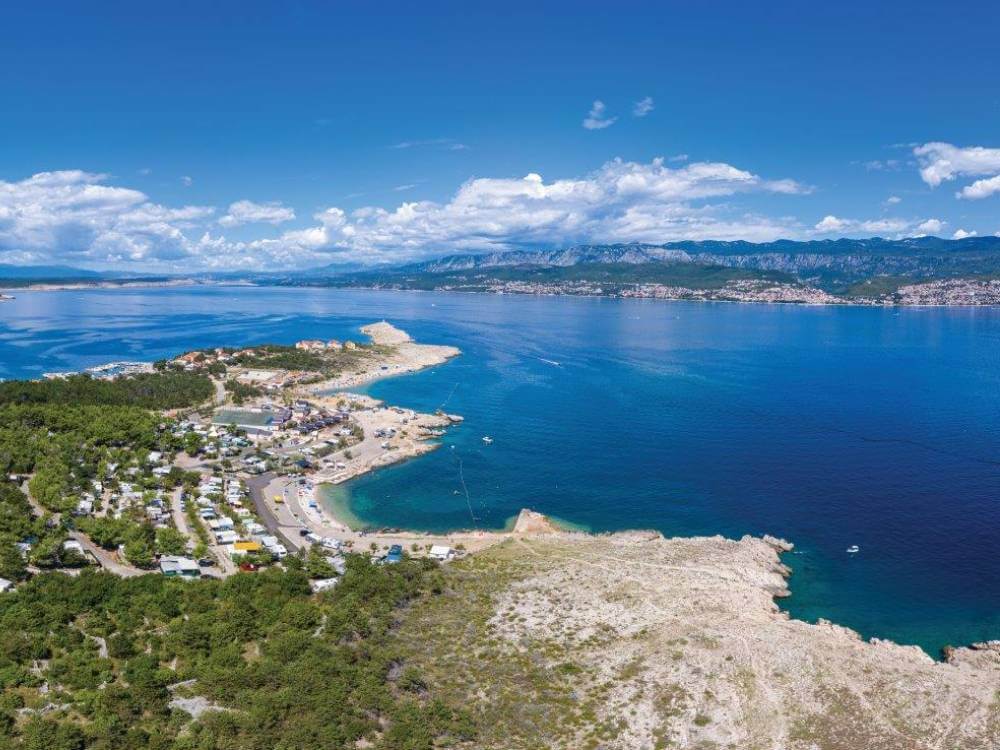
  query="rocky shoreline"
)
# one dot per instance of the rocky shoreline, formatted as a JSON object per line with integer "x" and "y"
{"x": 680, "y": 643}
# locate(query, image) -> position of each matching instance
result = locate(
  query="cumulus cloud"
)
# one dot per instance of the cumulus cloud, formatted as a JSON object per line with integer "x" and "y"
{"x": 942, "y": 162}
{"x": 597, "y": 118}
{"x": 981, "y": 188}
{"x": 621, "y": 201}
{"x": 834, "y": 225}
{"x": 961, "y": 234}
{"x": 931, "y": 226}
{"x": 889, "y": 226}
{"x": 74, "y": 215}
{"x": 892, "y": 200}
{"x": 643, "y": 107}
{"x": 78, "y": 217}
{"x": 248, "y": 212}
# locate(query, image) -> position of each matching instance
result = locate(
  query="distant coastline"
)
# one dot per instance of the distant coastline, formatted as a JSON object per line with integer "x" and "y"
{"x": 939, "y": 293}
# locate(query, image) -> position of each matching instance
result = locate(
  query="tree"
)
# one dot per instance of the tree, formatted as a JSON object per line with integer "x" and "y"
{"x": 317, "y": 566}
{"x": 139, "y": 553}
{"x": 170, "y": 541}
{"x": 12, "y": 564}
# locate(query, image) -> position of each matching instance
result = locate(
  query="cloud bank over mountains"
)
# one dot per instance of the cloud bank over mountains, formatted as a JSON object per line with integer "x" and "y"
{"x": 82, "y": 218}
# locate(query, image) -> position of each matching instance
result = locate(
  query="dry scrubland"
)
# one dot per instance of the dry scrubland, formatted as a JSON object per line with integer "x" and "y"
{"x": 635, "y": 641}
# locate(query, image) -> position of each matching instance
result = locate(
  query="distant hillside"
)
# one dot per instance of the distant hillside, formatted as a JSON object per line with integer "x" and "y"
{"x": 826, "y": 261}
{"x": 838, "y": 266}
{"x": 8, "y": 271}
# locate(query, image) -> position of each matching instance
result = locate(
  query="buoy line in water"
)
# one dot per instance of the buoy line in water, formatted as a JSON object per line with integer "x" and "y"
{"x": 445, "y": 403}
{"x": 465, "y": 489}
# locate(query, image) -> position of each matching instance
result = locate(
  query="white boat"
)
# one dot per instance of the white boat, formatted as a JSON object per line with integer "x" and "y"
{"x": 488, "y": 440}
{"x": 853, "y": 549}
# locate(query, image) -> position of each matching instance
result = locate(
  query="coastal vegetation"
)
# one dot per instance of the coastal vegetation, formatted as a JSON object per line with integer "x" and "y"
{"x": 64, "y": 435}
{"x": 162, "y": 390}
{"x": 328, "y": 361}
{"x": 255, "y": 662}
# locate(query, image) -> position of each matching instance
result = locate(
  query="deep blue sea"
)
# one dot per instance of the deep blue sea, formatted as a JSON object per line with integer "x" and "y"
{"x": 827, "y": 426}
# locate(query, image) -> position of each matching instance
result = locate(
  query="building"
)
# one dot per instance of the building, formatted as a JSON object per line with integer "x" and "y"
{"x": 179, "y": 567}
{"x": 253, "y": 421}
{"x": 222, "y": 523}
{"x": 441, "y": 552}
{"x": 310, "y": 345}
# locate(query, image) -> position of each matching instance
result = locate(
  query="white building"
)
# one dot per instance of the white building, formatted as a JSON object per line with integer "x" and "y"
{"x": 441, "y": 552}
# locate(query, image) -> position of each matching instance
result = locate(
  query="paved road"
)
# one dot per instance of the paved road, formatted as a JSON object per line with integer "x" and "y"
{"x": 180, "y": 517}
{"x": 184, "y": 526}
{"x": 220, "y": 391}
{"x": 107, "y": 559}
{"x": 286, "y": 529}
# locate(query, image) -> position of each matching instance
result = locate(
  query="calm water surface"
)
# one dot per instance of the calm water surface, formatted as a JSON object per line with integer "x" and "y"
{"x": 828, "y": 426}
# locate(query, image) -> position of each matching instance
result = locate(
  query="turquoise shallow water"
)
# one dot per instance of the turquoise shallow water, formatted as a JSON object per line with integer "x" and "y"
{"x": 828, "y": 426}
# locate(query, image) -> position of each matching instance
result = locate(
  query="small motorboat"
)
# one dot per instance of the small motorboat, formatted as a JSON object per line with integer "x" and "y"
{"x": 488, "y": 440}
{"x": 853, "y": 549}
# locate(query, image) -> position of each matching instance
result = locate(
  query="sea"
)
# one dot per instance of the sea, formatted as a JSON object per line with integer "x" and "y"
{"x": 828, "y": 426}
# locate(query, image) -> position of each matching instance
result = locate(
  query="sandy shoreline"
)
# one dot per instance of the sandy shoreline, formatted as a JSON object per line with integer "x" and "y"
{"x": 392, "y": 434}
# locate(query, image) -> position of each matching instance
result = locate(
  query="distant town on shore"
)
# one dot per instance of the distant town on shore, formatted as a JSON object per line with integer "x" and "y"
{"x": 875, "y": 271}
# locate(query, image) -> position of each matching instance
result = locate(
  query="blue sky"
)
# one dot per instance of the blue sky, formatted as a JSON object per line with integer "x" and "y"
{"x": 399, "y": 131}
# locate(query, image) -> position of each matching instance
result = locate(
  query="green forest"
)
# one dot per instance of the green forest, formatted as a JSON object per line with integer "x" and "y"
{"x": 252, "y": 662}
{"x": 64, "y": 434}
{"x": 162, "y": 390}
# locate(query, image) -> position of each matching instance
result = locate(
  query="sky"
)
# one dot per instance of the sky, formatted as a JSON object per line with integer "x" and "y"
{"x": 189, "y": 136}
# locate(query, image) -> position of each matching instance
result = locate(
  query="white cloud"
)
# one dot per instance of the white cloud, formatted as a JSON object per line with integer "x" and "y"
{"x": 931, "y": 226}
{"x": 72, "y": 215}
{"x": 187, "y": 181}
{"x": 643, "y": 107}
{"x": 79, "y": 218}
{"x": 449, "y": 144}
{"x": 893, "y": 200}
{"x": 402, "y": 188}
{"x": 621, "y": 201}
{"x": 678, "y": 158}
{"x": 961, "y": 234}
{"x": 941, "y": 162}
{"x": 887, "y": 165}
{"x": 831, "y": 224}
{"x": 597, "y": 118}
{"x": 980, "y": 188}
{"x": 888, "y": 226}
{"x": 248, "y": 212}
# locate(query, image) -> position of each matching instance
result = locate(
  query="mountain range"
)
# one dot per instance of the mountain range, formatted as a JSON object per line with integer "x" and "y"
{"x": 834, "y": 264}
